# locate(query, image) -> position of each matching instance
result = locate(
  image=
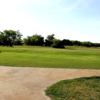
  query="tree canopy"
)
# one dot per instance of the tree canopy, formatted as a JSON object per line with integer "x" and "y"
{"x": 35, "y": 40}
{"x": 12, "y": 37}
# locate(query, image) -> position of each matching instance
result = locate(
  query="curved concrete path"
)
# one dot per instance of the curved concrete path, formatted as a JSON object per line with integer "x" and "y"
{"x": 17, "y": 83}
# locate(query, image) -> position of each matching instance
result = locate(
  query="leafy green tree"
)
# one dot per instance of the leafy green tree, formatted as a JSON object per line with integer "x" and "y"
{"x": 35, "y": 40}
{"x": 2, "y": 38}
{"x": 87, "y": 44}
{"x": 57, "y": 44}
{"x": 67, "y": 42}
{"x": 18, "y": 40}
{"x": 28, "y": 40}
{"x": 76, "y": 43}
{"x": 49, "y": 40}
{"x": 9, "y": 37}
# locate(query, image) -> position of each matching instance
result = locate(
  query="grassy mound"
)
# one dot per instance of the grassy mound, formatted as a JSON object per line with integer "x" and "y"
{"x": 75, "y": 89}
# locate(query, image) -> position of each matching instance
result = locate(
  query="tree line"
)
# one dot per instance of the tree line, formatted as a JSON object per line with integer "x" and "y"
{"x": 11, "y": 38}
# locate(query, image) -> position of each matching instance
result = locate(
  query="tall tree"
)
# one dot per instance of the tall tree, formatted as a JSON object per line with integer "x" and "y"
{"x": 67, "y": 42}
{"x": 49, "y": 40}
{"x": 36, "y": 40}
{"x": 9, "y": 37}
{"x": 57, "y": 44}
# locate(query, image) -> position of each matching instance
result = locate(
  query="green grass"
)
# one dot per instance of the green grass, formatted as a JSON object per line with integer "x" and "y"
{"x": 76, "y": 89}
{"x": 71, "y": 57}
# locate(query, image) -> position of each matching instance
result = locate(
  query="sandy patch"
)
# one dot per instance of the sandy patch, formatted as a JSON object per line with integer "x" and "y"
{"x": 17, "y": 83}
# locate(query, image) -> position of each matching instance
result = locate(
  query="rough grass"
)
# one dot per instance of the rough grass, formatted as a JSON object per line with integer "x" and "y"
{"x": 76, "y": 89}
{"x": 71, "y": 57}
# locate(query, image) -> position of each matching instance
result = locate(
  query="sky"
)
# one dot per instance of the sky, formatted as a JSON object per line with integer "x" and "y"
{"x": 67, "y": 19}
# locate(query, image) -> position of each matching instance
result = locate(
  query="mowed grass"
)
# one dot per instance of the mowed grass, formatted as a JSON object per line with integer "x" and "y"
{"x": 71, "y": 57}
{"x": 76, "y": 89}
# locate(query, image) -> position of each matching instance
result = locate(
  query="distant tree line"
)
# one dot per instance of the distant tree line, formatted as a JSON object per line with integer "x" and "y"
{"x": 11, "y": 38}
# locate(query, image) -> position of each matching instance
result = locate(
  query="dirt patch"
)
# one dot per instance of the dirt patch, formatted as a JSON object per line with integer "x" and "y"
{"x": 17, "y": 83}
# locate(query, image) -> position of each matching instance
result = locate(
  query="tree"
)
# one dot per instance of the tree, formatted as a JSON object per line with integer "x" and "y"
{"x": 2, "y": 38}
{"x": 49, "y": 40}
{"x": 18, "y": 40}
{"x": 28, "y": 40}
{"x": 87, "y": 44}
{"x": 35, "y": 40}
{"x": 76, "y": 43}
{"x": 57, "y": 44}
{"x": 9, "y": 37}
{"x": 67, "y": 42}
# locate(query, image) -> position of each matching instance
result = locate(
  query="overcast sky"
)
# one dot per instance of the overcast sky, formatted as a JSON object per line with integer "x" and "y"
{"x": 70, "y": 19}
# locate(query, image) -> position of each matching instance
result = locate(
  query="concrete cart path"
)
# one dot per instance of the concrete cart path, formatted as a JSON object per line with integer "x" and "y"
{"x": 18, "y": 83}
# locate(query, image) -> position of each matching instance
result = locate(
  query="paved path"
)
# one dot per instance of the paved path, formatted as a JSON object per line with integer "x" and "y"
{"x": 17, "y": 83}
